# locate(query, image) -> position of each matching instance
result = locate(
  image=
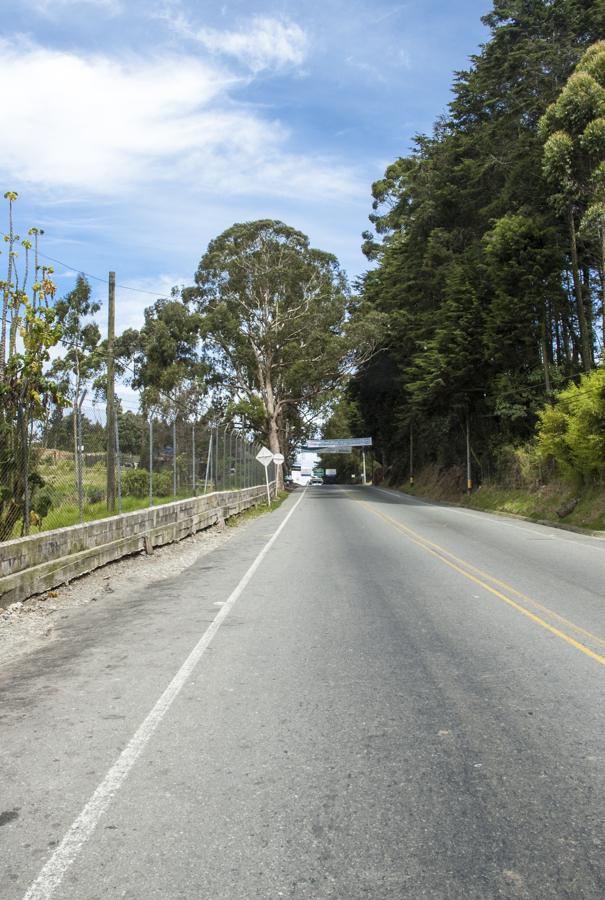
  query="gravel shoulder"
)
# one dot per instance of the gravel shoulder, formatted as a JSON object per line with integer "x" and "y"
{"x": 28, "y": 625}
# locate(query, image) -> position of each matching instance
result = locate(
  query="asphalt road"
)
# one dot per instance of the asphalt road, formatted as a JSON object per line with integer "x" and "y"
{"x": 400, "y": 700}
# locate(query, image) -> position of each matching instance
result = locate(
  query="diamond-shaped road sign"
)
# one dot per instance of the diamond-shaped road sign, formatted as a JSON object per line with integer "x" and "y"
{"x": 264, "y": 456}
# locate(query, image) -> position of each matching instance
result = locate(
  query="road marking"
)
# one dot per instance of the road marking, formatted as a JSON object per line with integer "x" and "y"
{"x": 502, "y": 584}
{"x": 82, "y": 828}
{"x": 493, "y": 518}
{"x": 442, "y": 554}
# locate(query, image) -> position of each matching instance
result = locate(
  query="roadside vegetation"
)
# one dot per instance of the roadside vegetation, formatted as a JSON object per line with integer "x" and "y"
{"x": 558, "y": 502}
{"x": 558, "y": 477}
{"x": 488, "y": 260}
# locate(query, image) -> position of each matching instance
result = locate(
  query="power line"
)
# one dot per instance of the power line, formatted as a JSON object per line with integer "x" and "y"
{"x": 124, "y": 287}
{"x": 555, "y": 391}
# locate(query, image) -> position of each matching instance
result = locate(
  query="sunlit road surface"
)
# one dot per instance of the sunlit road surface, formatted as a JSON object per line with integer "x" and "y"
{"x": 398, "y": 700}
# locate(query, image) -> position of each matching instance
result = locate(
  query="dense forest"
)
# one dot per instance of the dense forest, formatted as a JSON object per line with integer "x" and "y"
{"x": 487, "y": 249}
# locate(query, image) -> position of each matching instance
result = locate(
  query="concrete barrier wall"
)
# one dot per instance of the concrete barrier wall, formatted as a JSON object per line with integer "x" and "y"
{"x": 39, "y": 562}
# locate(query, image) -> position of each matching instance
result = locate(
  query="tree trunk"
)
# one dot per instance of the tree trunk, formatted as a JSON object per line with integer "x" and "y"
{"x": 3, "y": 330}
{"x": 545, "y": 359}
{"x": 273, "y": 435}
{"x": 603, "y": 290}
{"x": 558, "y": 348}
{"x": 77, "y": 432}
{"x": 6, "y": 294}
{"x": 272, "y": 412}
{"x": 582, "y": 320}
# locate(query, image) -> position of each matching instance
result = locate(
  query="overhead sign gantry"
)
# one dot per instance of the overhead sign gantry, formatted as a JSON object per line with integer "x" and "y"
{"x": 339, "y": 445}
{"x": 328, "y": 444}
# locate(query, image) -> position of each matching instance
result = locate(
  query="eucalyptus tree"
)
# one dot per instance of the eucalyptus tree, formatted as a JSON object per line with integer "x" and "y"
{"x": 278, "y": 320}
{"x": 82, "y": 360}
{"x": 164, "y": 360}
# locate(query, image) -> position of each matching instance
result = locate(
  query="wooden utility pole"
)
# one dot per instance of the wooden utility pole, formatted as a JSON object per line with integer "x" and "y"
{"x": 469, "y": 476}
{"x": 111, "y": 417}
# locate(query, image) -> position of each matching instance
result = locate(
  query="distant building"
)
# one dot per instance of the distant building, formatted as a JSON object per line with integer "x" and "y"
{"x": 303, "y": 470}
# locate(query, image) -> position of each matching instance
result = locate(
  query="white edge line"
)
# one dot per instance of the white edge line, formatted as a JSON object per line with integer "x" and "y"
{"x": 492, "y": 517}
{"x": 80, "y": 831}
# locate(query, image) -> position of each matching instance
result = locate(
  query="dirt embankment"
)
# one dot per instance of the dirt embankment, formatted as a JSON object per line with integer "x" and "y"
{"x": 557, "y": 502}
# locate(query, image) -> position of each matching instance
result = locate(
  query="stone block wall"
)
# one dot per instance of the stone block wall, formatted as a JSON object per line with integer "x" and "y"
{"x": 39, "y": 562}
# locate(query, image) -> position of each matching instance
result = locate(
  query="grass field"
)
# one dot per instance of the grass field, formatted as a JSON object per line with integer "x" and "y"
{"x": 60, "y": 485}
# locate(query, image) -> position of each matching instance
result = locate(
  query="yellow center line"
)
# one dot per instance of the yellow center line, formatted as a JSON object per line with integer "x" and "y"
{"x": 442, "y": 554}
{"x": 502, "y": 584}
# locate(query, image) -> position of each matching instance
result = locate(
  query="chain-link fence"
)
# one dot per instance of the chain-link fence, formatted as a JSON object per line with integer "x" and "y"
{"x": 62, "y": 472}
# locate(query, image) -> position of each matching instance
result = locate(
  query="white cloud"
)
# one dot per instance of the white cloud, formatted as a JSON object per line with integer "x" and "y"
{"x": 267, "y": 43}
{"x": 133, "y": 296}
{"x": 51, "y": 7}
{"x": 263, "y": 43}
{"x": 102, "y": 126}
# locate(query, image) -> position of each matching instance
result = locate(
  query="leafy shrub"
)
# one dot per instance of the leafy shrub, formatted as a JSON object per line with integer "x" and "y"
{"x": 518, "y": 467}
{"x": 572, "y": 431}
{"x": 135, "y": 482}
{"x": 95, "y": 494}
{"x": 162, "y": 484}
{"x": 42, "y": 503}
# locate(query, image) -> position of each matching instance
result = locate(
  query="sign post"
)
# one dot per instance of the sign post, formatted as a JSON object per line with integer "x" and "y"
{"x": 264, "y": 456}
{"x": 278, "y": 460}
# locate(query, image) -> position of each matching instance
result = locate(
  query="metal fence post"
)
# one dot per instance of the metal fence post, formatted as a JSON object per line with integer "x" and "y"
{"x": 26, "y": 489}
{"x": 225, "y": 456}
{"x": 469, "y": 476}
{"x": 238, "y": 469}
{"x": 193, "y": 473}
{"x": 253, "y": 461}
{"x": 22, "y": 426}
{"x": 232, "y": 467}
{"x": 80, "y": 464}
{"x": 150, "y": 461}
{"x": 118, "y": 462}
{"x": 208, "y": 460}
{"x": 174, "y": 458}
{"x": 78, "y": 460}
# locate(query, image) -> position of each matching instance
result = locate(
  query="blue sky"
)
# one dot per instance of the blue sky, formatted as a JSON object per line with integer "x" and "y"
{"x": 137, "y": 130}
